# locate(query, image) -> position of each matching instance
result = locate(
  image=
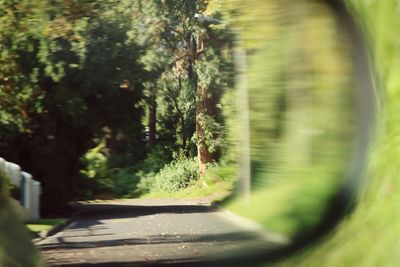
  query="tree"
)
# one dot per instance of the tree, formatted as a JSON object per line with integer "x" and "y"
{"x": 84, "y": 75}
{"x": 77, "y": 79}
{"x": 192, "y": 63}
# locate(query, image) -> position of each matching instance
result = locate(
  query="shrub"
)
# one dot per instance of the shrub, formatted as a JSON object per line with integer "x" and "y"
{"x": 95, "y": 161}
{"x": 123, "y": 180}
{"x": 155, "y": 160}
{"x": 105, "y": 181}
{"x": 177, "y": 175}
{"x": 145, "y": 184}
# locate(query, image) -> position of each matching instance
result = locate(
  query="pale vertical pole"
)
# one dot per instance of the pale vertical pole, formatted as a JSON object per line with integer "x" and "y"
{"x": 244, "y": 179}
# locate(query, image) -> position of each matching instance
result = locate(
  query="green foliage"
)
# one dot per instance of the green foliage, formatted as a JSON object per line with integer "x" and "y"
{"x": 368, "y": 237}
{"x": 70, "y": 76}
{"x": 109, "y": 181}
{"x": 212, "y": 133}
{"x": 95, "y": 162}
{"x": 76, "y": 79}
{"x": 172, "y": 40}
{"x": 106, "y": 181}
{"x": 155, "y": 159}
{"x": 175, "y": 176}
{"x": 230, "y": 112}
{"x": 208, "y": 69}
{"x": 30, "y": 40}
{"x": 145, "y": 184}
{"x": 217, "y": 185}
{"x": 298, "y": 77}
{"x": 219, "y": 173}
{"x": 123, "y": 180}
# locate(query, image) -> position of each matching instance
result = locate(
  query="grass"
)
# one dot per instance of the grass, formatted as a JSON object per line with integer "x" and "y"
{"x": 217, "y": 191}
{"x": 217, "y": 184}
{"x": 41, "y": 225}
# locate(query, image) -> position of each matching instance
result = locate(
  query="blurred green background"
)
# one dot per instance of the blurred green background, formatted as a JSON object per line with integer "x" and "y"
{"x": 368, "y": 237}
{"x": 302, "y": 112}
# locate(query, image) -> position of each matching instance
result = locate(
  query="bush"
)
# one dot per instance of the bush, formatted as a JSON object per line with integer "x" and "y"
{"x": 177, "y": 175}
{"x": 106, "y": 182}
{"x": 123, "y": 180}
{"x": 146, "y": 182}
{"x": 155, "y": 160}
{"x": 95, "y": 162}
{"x": 96, "y": 170}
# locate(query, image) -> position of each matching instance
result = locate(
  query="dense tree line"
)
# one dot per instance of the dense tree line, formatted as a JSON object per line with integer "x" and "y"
{"x": 129, "y": 78}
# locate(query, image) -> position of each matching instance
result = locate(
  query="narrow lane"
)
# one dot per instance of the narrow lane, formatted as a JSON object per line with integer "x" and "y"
{"x": 145, "y": 234}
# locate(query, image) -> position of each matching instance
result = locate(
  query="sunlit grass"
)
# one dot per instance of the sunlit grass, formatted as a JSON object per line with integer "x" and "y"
{"x": 290, "y": 207}
{"x": 215, "y": 191}
{"x": 41, "y": 225}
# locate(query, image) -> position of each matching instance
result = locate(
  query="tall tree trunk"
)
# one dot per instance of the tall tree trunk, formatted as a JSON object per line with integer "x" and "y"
{"x": 204, "y": 107}
{"x": 152, "y": 119}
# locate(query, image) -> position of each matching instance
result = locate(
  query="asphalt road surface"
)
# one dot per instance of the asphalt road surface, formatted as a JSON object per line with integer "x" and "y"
{"x": 151, "y": 232}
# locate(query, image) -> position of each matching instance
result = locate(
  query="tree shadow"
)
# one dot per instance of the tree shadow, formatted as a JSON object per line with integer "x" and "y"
{"x": 155, "y": 240}
{"x": 106, "y": 211}
{"x": 89, "y": 232}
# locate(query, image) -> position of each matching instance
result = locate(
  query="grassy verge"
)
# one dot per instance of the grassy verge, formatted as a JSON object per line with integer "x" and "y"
{"x": 288, "y": 208}
{"x": 41, "y": 225}
{"x": 180, "y": 180}
{"x": 217, "y": 191}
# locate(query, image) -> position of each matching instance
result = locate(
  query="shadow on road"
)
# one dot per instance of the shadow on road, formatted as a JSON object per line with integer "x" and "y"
{"x": 121, "y": 211}
{"x": 115, "y": 234}
{"x": 158, "y": 239}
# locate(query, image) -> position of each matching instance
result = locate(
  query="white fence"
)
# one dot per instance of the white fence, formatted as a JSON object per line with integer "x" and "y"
{"x": 30, "y": 189}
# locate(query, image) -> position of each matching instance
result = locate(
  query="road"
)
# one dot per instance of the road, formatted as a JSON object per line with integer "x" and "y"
{"x": 151, "y": 232}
